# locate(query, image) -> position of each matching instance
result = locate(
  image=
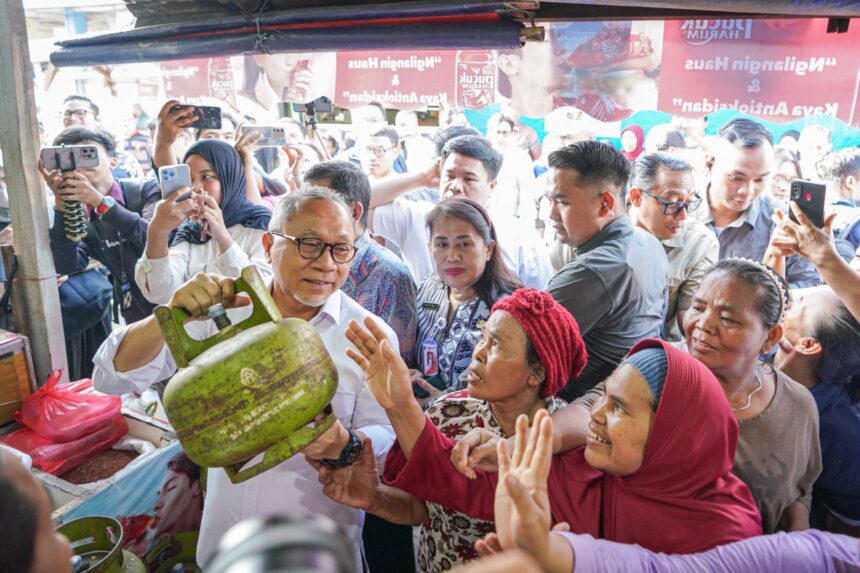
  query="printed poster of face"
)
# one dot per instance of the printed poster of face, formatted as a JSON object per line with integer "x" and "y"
{"x": 268, "y": 79}
{"x": 606, "y": 69}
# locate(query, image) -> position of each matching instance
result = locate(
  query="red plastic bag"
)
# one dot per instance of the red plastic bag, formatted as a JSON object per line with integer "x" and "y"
{"x": 64, "y": 412}
{"x": 59, "y": 458}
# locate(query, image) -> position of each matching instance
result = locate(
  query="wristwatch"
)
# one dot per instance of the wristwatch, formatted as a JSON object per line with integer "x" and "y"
{"x": 105, "y": 205}
{"x": 350, "y": 453}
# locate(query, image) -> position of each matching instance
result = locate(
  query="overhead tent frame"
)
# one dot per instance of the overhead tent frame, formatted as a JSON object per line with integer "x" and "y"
{"x": 406, "y": 25}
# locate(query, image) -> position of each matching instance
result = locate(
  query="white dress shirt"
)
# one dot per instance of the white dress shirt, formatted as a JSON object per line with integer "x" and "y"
{"x": 404, "y": 223}
{"x": 159, "y": 278}
{"x": 292, "y": 486}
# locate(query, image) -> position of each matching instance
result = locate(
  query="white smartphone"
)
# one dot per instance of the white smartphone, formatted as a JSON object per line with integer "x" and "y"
{"x": 271, "y": 136}
{"x": 173, "y": 178}
{"x": 70, "y": 157}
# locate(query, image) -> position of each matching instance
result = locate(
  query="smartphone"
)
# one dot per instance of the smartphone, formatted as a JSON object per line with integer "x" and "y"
{"x": 208, "y": 117}
{"x": 271, "y": 136}
{"x": 810, "y": 197}
{"x": 70, "y": 157}
{"x": 173, "y": 178}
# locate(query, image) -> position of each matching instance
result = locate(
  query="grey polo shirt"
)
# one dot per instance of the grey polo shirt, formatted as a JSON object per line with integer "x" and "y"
{"x": 616, "y": 289}
{"x": 749, "y": 235}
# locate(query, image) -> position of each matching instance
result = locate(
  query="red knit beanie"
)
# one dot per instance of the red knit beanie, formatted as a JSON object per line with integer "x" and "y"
{"x": 552, "y": 332}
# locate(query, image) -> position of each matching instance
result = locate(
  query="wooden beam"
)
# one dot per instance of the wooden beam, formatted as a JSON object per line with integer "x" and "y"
{"x": 19, "y": 139}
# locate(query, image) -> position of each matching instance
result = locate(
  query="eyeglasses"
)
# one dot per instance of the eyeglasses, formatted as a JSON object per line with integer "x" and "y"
{"x": 312, "y": 249}
{"x": 674, "y": 207}
{"x": 378, "y": 151}
{"x": 78, "y": 113}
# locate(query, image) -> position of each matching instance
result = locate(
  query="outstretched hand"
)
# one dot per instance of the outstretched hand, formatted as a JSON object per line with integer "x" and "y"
{"x": 387, "y": 374}
{"x": 522, "y": 502}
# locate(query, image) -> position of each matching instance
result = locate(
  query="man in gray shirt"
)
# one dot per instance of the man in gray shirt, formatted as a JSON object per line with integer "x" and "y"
{"x": 736, "y": 208}
{"x": 616, "y": 286}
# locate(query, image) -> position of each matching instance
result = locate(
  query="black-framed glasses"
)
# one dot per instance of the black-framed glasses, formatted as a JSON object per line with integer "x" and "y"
{"x": 312, "y": 249}
{"x": 674, "y": 207}
{"x": 78, "y": 113}
{"x": 378, "y": 152}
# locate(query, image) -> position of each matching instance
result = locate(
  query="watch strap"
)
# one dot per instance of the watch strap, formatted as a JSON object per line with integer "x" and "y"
{"x": 350, "y": 453}
{"x": 105, "y": 205}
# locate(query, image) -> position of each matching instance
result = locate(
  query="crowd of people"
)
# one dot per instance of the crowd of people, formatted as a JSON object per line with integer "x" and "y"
{"x": 673, "y": 361}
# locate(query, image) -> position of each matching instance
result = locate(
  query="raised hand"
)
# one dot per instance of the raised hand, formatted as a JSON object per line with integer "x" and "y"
{"x": 522, "y": 503}
{"x": 387, "y": 373}
{"x": 803, "y": 237}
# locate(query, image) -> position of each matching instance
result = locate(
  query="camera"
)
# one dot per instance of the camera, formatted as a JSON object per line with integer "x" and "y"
{"x": 284, "y": 543}
{"x": 70, "y": 157}
{"x": 319, "y": 105}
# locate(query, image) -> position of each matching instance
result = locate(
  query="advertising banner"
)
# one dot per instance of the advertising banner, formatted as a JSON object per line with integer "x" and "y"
{"x": 401, "y": 80}
{"x": 192, "y": 81}
{"x": 778, "y": 70}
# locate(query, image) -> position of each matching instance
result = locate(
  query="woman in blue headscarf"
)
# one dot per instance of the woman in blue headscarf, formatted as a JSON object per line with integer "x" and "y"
{"x": 211, "y": 229}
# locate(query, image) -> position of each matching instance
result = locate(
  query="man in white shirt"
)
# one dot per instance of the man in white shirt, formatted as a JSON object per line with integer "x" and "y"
{"x": 469, "y": 168}
{"x": 310, "y": 247}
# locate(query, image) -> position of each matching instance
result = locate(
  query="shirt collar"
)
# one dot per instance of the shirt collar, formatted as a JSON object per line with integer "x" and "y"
{"x": 616, "y": 226}
{"x": 749, "y": 216}
{"x": 116, "y": 193}
{"x": 330, "y": 309}
{"x": 677, "y": 240}
{"x": 362, "y": 244}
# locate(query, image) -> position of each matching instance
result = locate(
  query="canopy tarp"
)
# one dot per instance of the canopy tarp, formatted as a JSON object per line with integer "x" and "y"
{"x": 180, "y": 29}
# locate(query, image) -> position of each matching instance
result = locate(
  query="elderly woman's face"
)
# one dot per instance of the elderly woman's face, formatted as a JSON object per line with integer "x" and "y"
{"x": 499, "y": 369}
{"x": 724, "y": 329}
{"x": 620, "y": 424}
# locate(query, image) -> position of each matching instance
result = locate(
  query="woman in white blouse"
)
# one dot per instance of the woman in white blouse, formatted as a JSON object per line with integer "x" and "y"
{"x": 215, "y": 229}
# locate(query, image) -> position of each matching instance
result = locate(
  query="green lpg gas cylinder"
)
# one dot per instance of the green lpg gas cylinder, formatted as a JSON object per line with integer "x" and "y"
{"x": 253, "y": 387}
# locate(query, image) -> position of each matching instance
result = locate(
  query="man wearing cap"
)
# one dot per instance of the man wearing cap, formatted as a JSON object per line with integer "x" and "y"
{"x": 616, "y": 286}
{"x": 310, "y": 247}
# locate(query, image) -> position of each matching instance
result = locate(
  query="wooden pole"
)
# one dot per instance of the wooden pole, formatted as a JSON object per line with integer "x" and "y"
{"x": 19, "y": 139}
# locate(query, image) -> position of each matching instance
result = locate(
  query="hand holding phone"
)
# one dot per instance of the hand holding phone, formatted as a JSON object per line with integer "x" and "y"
{"x": 69, "y": 157}
{"x": 809, "y": 197}
{"x": 270, "y": 136}
{"x": 172, "y": 178}
{"x": 208, "y": 117}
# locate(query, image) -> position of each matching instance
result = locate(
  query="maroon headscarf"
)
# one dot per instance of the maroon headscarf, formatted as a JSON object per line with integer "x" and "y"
{"x": 684, "y": 498}
{"x": 640, "y": 142}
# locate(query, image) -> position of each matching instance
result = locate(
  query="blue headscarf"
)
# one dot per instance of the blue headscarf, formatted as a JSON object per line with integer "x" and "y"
{"x": 236, "y": 209}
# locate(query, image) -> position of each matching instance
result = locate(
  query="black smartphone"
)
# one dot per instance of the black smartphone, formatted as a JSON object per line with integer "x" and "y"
{"x": 810, "y": 197}
{"x": 208, "y": 117}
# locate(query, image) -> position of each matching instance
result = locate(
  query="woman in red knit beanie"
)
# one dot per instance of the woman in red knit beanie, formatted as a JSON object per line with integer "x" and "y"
{"x": 530, "y": 347}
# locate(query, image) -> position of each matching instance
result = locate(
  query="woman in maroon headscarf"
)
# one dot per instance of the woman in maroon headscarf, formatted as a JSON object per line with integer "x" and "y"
{"x": 655, "y": 470}
{"x": 632, "y": 142}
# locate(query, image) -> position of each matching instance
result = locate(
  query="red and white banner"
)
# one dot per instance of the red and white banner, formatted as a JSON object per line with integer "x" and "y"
{"x": 400, "y": 80}
{"x": 778, "y": 70}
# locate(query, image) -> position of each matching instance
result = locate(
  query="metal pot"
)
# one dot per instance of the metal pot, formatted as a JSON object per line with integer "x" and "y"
{"x": 97, "y": 541}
